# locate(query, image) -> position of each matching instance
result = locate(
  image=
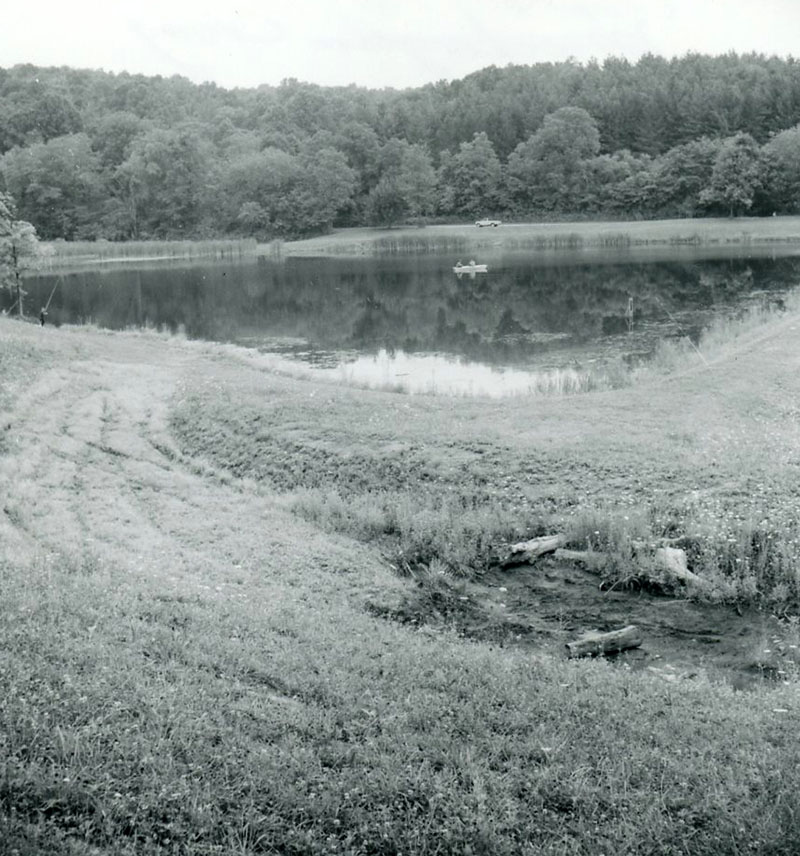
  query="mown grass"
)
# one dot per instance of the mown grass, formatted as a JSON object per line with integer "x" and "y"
{"x": 20, "y": 362}
{"x": 137, "y": 719}
{"x": 433, "y": 480}
{"x": 274, "y": 714}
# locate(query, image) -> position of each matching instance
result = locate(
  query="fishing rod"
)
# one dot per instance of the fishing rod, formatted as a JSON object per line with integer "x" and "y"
{"x": 58, "y": 281}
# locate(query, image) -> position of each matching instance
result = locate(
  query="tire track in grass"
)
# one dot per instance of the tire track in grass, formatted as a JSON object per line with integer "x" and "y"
{"x": 95, "y": 459}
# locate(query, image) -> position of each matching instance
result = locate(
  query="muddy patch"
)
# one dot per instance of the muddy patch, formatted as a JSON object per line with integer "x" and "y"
{"x": 542, "y": 607}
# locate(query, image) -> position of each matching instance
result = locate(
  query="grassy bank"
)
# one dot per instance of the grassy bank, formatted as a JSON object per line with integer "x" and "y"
{"x": 189, "y": 668}
{"x": 700, "y": 447}
{"x": 463, "y": 239}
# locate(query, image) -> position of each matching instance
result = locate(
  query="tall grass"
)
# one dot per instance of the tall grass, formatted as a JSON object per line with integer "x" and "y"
{"x": 723, "y": 335}
{"x": 60, "y": 253}
{"x": 459, "y": 241}
{"x": 460, "y": 533}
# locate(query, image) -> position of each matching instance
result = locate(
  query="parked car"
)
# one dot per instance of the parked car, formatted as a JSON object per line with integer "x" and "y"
{"x": 487, "y": 222}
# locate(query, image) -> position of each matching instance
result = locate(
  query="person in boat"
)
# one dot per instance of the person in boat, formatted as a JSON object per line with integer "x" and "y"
{"x": 472, "y": 262}
{"x": 458, "y": 263}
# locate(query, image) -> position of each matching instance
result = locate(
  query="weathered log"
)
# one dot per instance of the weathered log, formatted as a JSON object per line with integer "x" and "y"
{"x": 671, "y": 561}
{"x": 591, "y": 560}
{"x": 591, "y": 644}
{"x": 527, "y": 551}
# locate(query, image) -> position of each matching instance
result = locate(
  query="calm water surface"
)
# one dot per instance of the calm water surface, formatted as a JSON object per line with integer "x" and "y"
{"x": 411, "y": 323}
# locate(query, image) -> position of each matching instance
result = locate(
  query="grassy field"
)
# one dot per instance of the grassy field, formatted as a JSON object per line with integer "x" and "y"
{"x": 466, "y": 238}
{"x": 197, "y": 561}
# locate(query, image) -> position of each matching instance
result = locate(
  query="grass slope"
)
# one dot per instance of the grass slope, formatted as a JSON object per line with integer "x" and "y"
{"x": 188, "y": 668}
{"x": 706, "y": 454}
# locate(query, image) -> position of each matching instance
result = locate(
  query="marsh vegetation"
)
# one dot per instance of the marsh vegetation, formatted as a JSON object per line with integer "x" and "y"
{"x": 62, "y": 255}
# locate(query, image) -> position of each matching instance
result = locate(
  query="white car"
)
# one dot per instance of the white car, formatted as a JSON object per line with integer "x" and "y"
{"x": 487, "y": 222}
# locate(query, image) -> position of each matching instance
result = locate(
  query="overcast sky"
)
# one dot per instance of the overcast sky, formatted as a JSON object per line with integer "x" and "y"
{"x": 378, "y": 43}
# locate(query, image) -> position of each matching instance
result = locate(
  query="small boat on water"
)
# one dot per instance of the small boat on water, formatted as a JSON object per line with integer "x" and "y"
{"x": 470, "y": 268}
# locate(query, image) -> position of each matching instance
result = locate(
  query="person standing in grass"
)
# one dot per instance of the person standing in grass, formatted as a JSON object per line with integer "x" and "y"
{"x": 42, "y": 316}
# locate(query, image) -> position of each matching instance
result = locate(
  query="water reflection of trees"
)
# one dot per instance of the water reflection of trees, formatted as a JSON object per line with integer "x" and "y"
{"x": 517, "y": 311}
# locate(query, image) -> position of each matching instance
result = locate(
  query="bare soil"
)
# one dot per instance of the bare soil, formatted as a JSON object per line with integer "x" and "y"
{"x": 541, "y": 607}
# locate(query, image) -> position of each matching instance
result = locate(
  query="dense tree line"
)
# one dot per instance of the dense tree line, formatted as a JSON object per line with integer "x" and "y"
{"x": 89, "y": 154}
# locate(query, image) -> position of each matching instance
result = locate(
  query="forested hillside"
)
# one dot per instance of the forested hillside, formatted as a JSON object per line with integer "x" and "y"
{"x": 90, "y": 154}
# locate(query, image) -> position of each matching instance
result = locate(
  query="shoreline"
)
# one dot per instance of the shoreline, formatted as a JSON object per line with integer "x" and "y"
{"x": 184, "y": 646}
{"x": 359, "y": 241}
{"x": 761, "y": 232}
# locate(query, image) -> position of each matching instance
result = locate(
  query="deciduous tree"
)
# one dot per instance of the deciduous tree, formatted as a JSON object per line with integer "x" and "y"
{"x": 166, "y": 178}
{"x": 471, "y": 178}
{"x": 57, "y": 185}
{"x": 737, "y": 175}
{"x": 19, "y": 249}
{"x": 782, "y": 171}
{"x": 549, "y": 170}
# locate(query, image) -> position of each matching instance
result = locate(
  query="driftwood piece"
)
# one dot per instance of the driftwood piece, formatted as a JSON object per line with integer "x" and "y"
{"x": 527, "y": 551}
{"x": 671, "y": 561}
{"x": 592, "y": 644}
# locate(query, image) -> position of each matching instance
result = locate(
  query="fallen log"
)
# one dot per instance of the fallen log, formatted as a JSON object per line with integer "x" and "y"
{"x": 527, "y": 551}
{"x": 672, "y": 563}
{"x": 594, "y": 643}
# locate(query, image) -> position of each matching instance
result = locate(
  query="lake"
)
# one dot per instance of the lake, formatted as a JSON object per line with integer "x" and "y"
{"x": 410, "y": 323}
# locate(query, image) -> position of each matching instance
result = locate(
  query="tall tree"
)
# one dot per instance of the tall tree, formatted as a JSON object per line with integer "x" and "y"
{"x": 35, "y": 112}
{"x": 407, "y": 184}
{"x": 385, "y": 205}
{"x": 549, "y": 171}
{"x": 166, "y": 179}
{"x": 471, "y": 178}
{"x": 57, "y": 186}
{"x": 112, "y": 136}
{"x": 252, "y": 192}
{"x": 324, "y": 189}
{"x": 737, "y": 175}
{"x": 782, "y": 171}
{"x": 681, "y": 175}
{"x": 19, "y": 250}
